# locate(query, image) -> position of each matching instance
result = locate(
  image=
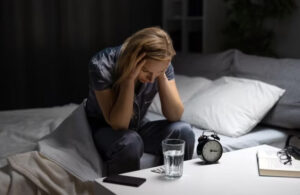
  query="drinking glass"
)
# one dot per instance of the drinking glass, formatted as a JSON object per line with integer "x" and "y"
{"x": 173, "y": 151}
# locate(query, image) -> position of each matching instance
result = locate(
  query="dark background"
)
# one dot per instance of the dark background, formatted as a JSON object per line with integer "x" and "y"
{"x": 46, "y": 45}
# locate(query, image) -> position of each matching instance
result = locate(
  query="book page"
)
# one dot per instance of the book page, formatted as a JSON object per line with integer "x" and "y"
{"x": 269, "y": 160}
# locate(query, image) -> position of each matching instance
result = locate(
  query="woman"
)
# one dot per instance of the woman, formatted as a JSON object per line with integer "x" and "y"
{"x": 123, "y": 83}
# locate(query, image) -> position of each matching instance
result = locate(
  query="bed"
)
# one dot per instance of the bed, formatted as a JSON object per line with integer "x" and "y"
{"x": 20, "y": 130}
{"x": 61, "y": 134}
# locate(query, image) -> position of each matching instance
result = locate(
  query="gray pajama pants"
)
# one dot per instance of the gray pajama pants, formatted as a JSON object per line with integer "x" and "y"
{"x": 122, "y": 150}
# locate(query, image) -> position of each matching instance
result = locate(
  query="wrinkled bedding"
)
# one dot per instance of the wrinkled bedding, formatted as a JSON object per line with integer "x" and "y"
{"x": 71, "y": 146}
{"x": 32, "y": 173}
{"x": 21, "y": 129}
{"x": 63, "y": 162}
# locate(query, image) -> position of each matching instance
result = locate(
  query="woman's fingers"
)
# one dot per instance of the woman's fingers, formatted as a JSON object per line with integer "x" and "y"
{"x": 140, "y": 62}
{"x": 139, "y": 67}
{"x": 140, "y": 58}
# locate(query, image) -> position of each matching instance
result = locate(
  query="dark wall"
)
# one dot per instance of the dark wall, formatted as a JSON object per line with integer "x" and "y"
{"x": 46, "y": 45}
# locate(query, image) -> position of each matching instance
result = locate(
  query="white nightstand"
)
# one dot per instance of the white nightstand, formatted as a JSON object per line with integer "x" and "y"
{"x": 236, "y": 173}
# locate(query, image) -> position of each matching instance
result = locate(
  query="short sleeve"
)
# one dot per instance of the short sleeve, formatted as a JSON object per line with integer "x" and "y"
{"x": 170, "y": 72}
{"x": 101, "y": 69}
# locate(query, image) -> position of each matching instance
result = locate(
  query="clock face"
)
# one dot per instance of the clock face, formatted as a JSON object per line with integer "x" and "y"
{"x": 212, "y": 151}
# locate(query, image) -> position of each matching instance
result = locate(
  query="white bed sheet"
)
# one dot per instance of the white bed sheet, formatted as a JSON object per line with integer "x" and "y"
{"x": 258, "y": 136}
{"x": 21, "y": 129}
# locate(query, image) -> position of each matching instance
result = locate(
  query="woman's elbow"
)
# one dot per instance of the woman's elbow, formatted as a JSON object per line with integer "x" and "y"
{"x": 118, "y": 126}
{"x": 116, "y": 123}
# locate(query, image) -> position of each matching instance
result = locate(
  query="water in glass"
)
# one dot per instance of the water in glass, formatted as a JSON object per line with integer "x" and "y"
{"x": 173, "y": 160}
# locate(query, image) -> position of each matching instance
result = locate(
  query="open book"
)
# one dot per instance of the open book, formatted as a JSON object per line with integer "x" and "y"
{"x": 269, "y": 164}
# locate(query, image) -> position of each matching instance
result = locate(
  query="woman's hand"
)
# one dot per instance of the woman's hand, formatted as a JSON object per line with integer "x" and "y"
{"x": 171, "y": 104}
{"x": 139, "y": 63}
{"x": 163, "y": 75}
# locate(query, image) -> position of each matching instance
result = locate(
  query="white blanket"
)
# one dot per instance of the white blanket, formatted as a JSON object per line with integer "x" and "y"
{"x": 71, "y": 146}
{"x": 32, "y": 173}
{"x": 20, "y": 130}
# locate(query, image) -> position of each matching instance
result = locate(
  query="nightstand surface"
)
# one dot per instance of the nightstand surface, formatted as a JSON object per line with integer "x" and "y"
{"x": 236, "y": 173}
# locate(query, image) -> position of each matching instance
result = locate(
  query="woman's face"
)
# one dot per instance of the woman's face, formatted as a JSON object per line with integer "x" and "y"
{"x": 152, "y": 69}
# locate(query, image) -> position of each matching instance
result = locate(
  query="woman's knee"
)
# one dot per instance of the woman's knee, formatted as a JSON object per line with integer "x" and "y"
{"x": 183, "y": 130}
{"x": 133, "y": 143}
{"x": 129, "y": 147}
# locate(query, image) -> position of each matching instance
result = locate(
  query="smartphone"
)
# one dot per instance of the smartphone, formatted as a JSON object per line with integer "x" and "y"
{"x": 125, "y": 180}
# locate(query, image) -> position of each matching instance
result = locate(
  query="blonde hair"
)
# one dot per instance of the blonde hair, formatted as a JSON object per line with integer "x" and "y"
{"x": 152, "y": 41}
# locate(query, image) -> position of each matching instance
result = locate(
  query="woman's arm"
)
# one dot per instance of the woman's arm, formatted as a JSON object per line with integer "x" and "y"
{"x": 117, "y": 109}
{"x": 172, "y": 107}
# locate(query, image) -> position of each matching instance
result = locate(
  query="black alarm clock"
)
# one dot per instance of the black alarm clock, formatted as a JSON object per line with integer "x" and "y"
{"x": 209, "y": 148}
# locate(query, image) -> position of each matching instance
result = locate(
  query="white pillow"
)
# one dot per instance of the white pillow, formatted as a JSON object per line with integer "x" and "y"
{"x": 187, "y": 87}
{"x": 231, "y": 106}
